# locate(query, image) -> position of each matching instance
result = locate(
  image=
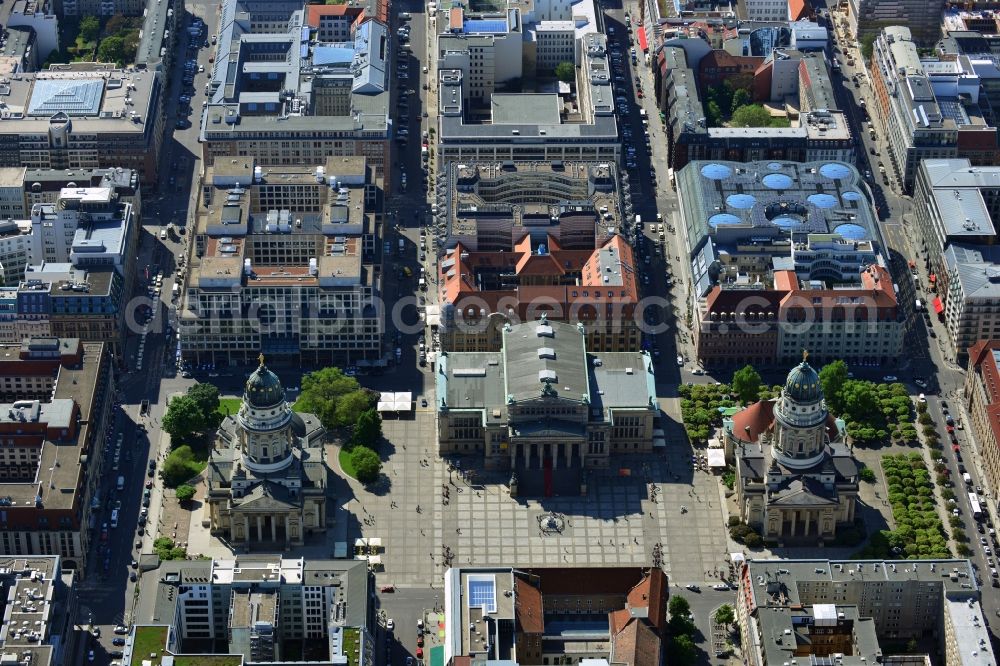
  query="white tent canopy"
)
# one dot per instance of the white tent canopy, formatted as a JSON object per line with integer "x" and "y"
{"x": 716, "y": 458}
{"x": 395, "y": 402}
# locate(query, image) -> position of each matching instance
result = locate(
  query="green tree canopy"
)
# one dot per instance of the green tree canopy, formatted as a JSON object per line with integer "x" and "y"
{"x": 90, "y": 28}
{"x": 752, "y": 115}
{"x": 741, "y": 97}
{"x": 116, "y": 24}
{"x": 184, "y": 492}
{"x": 368, "y": 429}
{"x": 566, "y": 72}
{"x": 832, "y": 377}
{"x": 366, "y": 463}
{"x": 724, "y": 615}
{"x": 112, "y": 49}
{"x": 746, "y": 384}
{"x": 206, "y": 396}
{"x": 679, "y": 606}
{"x": 682, "y": 651}
{"x": 179, "y": 466}
{"x": 337, "y": 399}
{"x": 183, "y": 417}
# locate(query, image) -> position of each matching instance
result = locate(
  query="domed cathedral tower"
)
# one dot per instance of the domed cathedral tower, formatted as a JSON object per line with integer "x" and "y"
{"x": 265, "y": 436}
{"x": 797, "y": 481}
{"x": 800, "y": 435}
{"x": 267, "y": 477}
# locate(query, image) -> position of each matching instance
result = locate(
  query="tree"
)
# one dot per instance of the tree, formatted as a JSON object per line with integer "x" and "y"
{"x": 867, "y": 475}
{"x": 112, "y": 49}
{"x": 179, "y": 466}
{"x": 682, "y": 650}
{"x": 832, "y": 378}
{"x": 351, "y": 407}
{"x": 184, "y": 492}
{"x": 713, "y": 113}
{"x": 183, "y": 417}
{"x": 724, "y": 615}
{"x": 90, "y": 28}
{"x": 366, "y": 463}
{"x": 324, "y": 390}
{"x": 746, "y": 384}
{"x": 566, "y": 72}
{"x": 867, "y": 46}
{"x": 741, "y": 97}
{"x": 206, "y": 396}
{"x": 753, "y": 115}
{"x": 368, "y": 429}
{"x": 116, "y": 24}
{"x": 679, "y": 606}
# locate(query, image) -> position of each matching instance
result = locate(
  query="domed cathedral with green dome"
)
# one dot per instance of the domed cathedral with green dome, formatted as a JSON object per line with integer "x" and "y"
{"x": 267, "y": 476}
{"x": 796, "y": 478}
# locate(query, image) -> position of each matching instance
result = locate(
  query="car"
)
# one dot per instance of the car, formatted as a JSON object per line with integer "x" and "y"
{"x": 121, "y": 629}
{"x": 719, "y": 587}
{"x": 423, "y": 402}
{"x": 385, "y": 589}
{"x": 890, "y": 378}
{"x": 145, "y": 501}
{"x": 133, "y": 564}
{"x": 132, "y": 577}
{"x": 956, "y": 512}
{"x": 409, "y": 660}
{"x": 149, "y": 485}
{"x": 420, "y": 641}
{"x": 90, "y": 655}
{"x": 118, "y": 641}
{"x": 419, "y": 653}
{"x": 983, "y": 541}
{"x": 390, "y": 624}
{"x": 116, "y": 654}
{"x": 151, "y": 472}
{"x": 692, "y": 587}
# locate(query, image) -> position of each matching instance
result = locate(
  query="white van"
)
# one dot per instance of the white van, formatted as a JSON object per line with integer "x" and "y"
{"x": 967, "y": 479}
{"x": 114, "y": 518}
{"x": 121, "y": 483}
{"x": 163, "y": 234}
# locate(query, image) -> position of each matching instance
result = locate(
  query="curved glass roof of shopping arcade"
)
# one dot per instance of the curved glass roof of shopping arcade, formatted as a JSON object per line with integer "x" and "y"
{"x": 739, "y": 202}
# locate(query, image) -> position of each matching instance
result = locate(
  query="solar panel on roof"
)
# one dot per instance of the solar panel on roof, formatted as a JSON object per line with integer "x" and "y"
{"x": 484, "y": 25}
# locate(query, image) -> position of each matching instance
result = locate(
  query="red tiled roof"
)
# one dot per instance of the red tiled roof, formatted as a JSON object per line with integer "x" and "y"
{"x": 798, "y": 9}
{"x": 636, "y": 645}
{"x": 759, "y": 417}
{"x": 529, "y": 610}
{"x": 316, "y": 13}
{"x": 649, "y": 594}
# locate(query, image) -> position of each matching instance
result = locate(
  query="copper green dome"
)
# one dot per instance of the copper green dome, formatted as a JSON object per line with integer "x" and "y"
{"x": 263, "y": 388}
{"x": 803, "y": 384}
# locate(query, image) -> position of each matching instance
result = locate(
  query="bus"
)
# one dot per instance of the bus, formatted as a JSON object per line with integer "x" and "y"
{"x": 977, "y": 511}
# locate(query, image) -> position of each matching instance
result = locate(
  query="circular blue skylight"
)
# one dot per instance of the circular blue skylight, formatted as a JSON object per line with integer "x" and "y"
{"x": 785, "y": 222}
{"x": 823, "y": 200}
{"x": 777, "y": 181}
{"x": 835, "y": 171}
{"x": 852, "y": 196}
{"x": 716, "y": 171}
{"x": 851, "y": 231}
{"x": 723, "y": 219}
{"x": 740, "y": 201}
{"x": 774, "y": 166}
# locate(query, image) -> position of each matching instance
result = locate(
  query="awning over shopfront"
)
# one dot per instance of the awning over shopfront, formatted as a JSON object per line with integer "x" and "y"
{"x": 641, "y": 32}
{"x": 938, "y": 305}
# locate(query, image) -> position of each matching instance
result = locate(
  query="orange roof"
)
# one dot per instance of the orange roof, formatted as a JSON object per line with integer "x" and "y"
{"x": 785, "y": 280}
{"x": 316, "y": 13}
{"x": 456, "y": 19}
{"x": 649, "y": 593}
{"x": 758, "y": 417}
{"x": 798, "y": 10}
{"x": 529, "y": 609}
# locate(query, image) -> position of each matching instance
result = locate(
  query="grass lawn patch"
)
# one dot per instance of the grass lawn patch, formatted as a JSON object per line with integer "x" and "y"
{"x": 149, "y": 640}
{"x": 208, "y": 660}
{"x": 229, "y": 406}
{"x": 346, "y": 463}
{"x": 352, "y": 642}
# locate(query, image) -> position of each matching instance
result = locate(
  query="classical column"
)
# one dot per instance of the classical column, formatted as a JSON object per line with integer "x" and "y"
{"x": 288, "y": 531}
{"x": 260, "y": 528}
{"x": 274, "y": 528}
{"x": 246, "y": 528}
{"x": 808, "y": 521}
{"x": 554, "y": 455}
{"x": 795, "y": 520}
{"x": 569, "y": 454}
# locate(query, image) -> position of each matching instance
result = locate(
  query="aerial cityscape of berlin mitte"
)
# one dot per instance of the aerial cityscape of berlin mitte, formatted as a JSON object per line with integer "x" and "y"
{"x": 499, "y": 333}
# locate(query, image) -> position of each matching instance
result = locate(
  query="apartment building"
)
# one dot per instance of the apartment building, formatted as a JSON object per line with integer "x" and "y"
{"x": 57, "y": 397}
{"x": 928, "y": 107}
{"x": 544, "y": 408}
{"x": 819, "y": 133}
{"x": 922, "y": 17}
{"x": 294, "y": 100}
{"x": 259, "y": 609}
{"x": 768, "y": 10}
{"x": 956, "y": 205}
{"x": 100, "y": 7}
{"x": 842, "y": 609}
{"x": 523, "y": 126}
{"x": 332, "y": 23}
{"x": 36, "y": 16}
{"x": 982, "y": 403}
{"x": 283, "y": 263}
{"x": 39, "y": 605}
{"x": 551, "y": 615}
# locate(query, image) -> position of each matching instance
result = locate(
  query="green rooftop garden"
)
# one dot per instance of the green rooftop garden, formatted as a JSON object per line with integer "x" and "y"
{"x": 149, "y": 640}
{"x": 208, "y": 660}
{"x": 352, "y": 642}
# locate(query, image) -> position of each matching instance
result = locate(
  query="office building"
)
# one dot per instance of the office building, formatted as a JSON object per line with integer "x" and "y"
{"x": 158, "y": 39}
{"x": 922, "y": 17}
{"x": 544, "y": 408}
{"x": 531, "y": 615}
{"x": 488, "y": 125}
{"x": 281, "y": 98}
{"x": 818, "y": 133}
{"x": 283, "y": 262}
{"x": 38, "y": 603}
{"x": 268, "y": 467}
{"x": 100, "y": 7}
{"x": 796, "y": 479}
{"x": 840, "y": 610}
{"x": 955, "y": 207}
{"x": 982, "y": 49}
{"x": 83, "y": 116}
{"x": 927, "y": 107}
{"x": 37, "y": 31}
{"x": 255, "y": 609}
{"x": 982, "y": 404}
{"x": 57, "y": 397}
{"x": 508, "y": 252}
